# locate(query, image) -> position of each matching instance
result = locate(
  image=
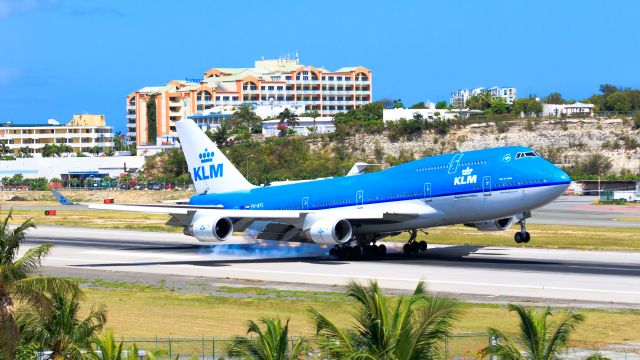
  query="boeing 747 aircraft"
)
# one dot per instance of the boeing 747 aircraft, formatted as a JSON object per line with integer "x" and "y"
{"x": 487, "y": 189}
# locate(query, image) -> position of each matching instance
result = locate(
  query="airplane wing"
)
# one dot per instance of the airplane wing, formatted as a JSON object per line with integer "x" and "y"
{"x": 182, "y": 214}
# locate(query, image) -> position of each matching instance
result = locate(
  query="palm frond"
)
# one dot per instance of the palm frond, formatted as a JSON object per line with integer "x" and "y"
{"x": 504, "y": 349}
{"x": 31, "y": 260}
{"x": 560, "y": 337}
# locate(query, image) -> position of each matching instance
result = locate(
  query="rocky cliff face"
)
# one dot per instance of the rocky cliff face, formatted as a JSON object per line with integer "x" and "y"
{"x": 561, "y": 141}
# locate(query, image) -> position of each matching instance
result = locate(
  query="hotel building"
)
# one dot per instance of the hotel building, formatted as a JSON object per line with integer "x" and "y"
{"x": 459, "y": 98}
{"x": 82, "y": 133}
{"x": 282, "y": 82}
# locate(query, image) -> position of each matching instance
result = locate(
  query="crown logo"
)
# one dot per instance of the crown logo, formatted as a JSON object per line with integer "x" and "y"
{"x": 206, "y": 156}
{"x": 467, "y": 171}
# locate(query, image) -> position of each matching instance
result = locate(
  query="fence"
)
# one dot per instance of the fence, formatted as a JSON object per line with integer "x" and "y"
{"x": 460, "y": 346}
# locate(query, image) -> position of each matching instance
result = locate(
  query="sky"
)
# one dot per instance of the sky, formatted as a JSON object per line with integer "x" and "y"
{"x": 61, "y": 57}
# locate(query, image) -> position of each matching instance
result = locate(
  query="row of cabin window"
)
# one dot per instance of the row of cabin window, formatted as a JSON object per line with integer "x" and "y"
{"x": 441, "y": 167}
{"x": 524, "y": 182}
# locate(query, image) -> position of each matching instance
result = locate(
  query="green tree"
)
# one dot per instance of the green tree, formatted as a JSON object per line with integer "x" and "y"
{"x": 65, "y": 149}
{"x": 50, "y": 150}
{"x": 481, "y": 101}
{"x": 314, "y": 114}
{"x": 108, "y": 348}
{"x": 288, "y": 117}
{"x": 24, "y": 152}
{"x": 59, "y": 328}
{"x": 152, "y": 124}
{"x": 554, "y": 98}
{"x": 245, "y": 116}
{"x": 498, "y": 106}
{"x": 441, "y": 104}
{"x": 270, "y": 344}
{"x": 397, "y": 104}
{"x": 419, "y": 105}
{"x": 527, "y": 106}
{"x": 17, "y": 283}
{"x": 618, "y": 101}
{"x": 413, "y": 327}
{"x": 220, "y": 136}
{"x": 540, "y": 338}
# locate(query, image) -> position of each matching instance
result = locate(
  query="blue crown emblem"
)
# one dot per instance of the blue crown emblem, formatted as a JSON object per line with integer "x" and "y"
{"x": 206, "y": 156}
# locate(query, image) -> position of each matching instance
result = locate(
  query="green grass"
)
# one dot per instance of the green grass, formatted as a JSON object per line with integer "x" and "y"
{"x": 143, "y": 310}
{"x": 99, "y": 219}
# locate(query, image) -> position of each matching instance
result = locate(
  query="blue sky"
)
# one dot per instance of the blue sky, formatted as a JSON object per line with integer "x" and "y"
{"x": 62, "y": 57}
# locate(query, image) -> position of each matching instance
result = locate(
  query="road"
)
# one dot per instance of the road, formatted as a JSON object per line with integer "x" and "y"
{"x": 487, "y": 274}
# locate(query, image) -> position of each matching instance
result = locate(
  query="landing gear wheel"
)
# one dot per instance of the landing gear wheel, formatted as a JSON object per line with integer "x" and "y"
{"x": 333, "y": 251}
{"x": 381, "y": 250}
{"x": 407, "y": 249}
{"x": 527, "y": 237}
{"x": 423, "y": 245}
{"x": 415, "y": 247}
{"x": 355, "y": 252}
{"x": 518, "y": 237}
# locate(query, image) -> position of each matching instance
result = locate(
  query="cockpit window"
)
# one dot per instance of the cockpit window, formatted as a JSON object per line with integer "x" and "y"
{"x": 527, "y": 154}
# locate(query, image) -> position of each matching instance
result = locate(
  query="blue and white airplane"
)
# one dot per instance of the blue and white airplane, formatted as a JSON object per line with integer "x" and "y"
{"x": 486, "y": 189}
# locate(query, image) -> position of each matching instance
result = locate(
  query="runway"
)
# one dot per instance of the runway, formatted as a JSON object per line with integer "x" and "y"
{"x": 489, "y": 274}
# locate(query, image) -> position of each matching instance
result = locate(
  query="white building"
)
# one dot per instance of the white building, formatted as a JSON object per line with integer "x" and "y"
{"x": 82, "y": 133}
{"x": 306, "y": 126}
{"x": 567, "y": 109}
{"x": 427, "y": 114}
{"x": 459, "y": 98}
{"x": 64, "y": 168}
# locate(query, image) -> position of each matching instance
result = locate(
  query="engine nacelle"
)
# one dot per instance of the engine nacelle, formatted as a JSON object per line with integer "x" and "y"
{"x": 211, "y": 229}
{"x": 329, "y": 231}
{"x": 493, "y": 225}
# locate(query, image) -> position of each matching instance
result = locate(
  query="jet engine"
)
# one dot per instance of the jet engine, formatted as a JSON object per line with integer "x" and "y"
{"x": 211, "y": 229}
{"x": 493, "y": 225}
{"x": 328, "y": 231}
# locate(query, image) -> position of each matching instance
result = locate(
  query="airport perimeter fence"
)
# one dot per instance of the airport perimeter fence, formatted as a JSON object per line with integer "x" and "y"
{"x": 461, "y": 346}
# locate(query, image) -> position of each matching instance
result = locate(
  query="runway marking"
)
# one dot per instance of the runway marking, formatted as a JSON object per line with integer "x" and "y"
{"x": 144, "y": 255}
{"x": 539, "y": 287}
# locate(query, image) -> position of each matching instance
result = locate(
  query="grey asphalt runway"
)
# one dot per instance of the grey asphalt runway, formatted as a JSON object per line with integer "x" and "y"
{"x": 562, "y": 277}
{"x": 578, "y": 211}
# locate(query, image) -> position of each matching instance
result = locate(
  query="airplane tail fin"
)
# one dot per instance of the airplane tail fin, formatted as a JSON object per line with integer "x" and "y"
{"x": 63, "y": 200}
{"x": 210, "y": 170}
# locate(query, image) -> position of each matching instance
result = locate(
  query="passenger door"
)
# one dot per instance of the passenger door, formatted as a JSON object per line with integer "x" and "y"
{"x": 359, "y": 198}
{"x": 427, "y": 192}
{"x": 486, "y": 185}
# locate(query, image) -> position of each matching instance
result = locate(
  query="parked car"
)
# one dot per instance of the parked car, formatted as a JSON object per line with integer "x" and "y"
{"x": 139, "y": 186}
{"x": 169, "y": 186}
{"x": 152, "y": 186}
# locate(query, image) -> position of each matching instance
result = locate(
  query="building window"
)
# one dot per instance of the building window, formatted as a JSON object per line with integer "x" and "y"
{"x": 339, "y": 78}
{"x": 280, "y": 88}
{"x": 271, "y": 87}
{"x": 287, "y": 77}
{"x": 330, "y": 78}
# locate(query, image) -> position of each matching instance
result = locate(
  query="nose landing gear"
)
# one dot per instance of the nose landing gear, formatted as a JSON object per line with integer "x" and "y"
{"x": 413, "y": 246}
{"x": 523, "y": 235}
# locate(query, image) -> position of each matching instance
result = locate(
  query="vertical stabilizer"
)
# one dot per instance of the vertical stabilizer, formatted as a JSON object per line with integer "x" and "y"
{"x": 210, "y": 170}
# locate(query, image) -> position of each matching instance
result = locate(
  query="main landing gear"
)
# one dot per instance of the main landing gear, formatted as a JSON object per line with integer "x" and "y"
{"x": 413, "y": 246}
{"x": 347, "y": 252}
{"x": 523, "y": 235}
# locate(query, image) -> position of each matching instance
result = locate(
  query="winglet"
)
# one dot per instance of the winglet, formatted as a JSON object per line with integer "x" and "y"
{"x": 63, "y": 200}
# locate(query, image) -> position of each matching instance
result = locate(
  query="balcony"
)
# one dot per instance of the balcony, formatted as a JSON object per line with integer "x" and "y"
{"x": 131, "y": 116}
{"x": 204, "y": 102}
{"x": 131, "y": 107}
{"x": 131, "y": 134}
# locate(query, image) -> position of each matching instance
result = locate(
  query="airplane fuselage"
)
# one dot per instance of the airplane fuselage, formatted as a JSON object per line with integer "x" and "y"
{"x": 461, "y": 188}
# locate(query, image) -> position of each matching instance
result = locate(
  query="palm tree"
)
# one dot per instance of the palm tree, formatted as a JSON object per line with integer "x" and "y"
{"x": 314, "y": 114}
{"x": 17, "y": 283}
{"x": 272, "y": 344}
{"x": 287, "y": 116}
{"x": 540, "y": 339}
{"x": 248, "y": 117}
{"x": 60, "y": 329}
{"x": 411, "y": 327}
